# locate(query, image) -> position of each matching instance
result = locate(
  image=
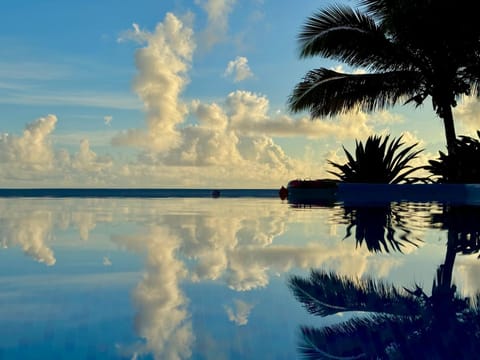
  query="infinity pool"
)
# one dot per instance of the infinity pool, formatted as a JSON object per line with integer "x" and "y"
{"x": 202, "y": 278}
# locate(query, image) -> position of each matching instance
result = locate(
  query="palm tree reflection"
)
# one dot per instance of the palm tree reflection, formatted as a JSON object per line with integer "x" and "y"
{"x": 396, "y": 323}
{"x": 388, "y": 322}
{"x": 380, "y": 227}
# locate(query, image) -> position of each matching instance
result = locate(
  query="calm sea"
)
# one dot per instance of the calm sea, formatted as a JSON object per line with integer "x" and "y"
{"x": 183, "y": 274}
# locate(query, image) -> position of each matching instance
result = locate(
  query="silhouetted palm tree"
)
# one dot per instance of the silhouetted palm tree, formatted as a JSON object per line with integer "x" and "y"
{"x": 412, "y": 49}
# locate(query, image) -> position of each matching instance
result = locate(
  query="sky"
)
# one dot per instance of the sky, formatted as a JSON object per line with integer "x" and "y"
{"x": 180, "y": 93}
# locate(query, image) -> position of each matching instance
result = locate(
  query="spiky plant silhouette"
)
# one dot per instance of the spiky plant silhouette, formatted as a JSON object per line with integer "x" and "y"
{"x": 463, "y": 166}
{"x": 377, "y": 161}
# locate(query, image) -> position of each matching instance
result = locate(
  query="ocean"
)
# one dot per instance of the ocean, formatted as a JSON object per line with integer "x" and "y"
{"x": 138, "y": 193}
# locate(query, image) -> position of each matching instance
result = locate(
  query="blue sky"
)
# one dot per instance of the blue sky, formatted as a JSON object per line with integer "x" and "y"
{"x": 157, "y": 93}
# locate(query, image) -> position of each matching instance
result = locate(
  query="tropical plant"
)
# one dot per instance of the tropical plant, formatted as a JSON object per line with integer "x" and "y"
{"x": 378, "y": 161}
{"x": 462, "y": 166}
{"x": 398, "y": 324}
{"x": 411, "y": 50}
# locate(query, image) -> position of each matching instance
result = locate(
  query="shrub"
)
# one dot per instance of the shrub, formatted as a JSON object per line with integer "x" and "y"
{"x": 378, "y": 161}
{"x": 461, "y": 166}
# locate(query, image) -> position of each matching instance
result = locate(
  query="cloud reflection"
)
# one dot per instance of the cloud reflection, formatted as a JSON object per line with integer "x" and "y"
{"x": 239, "y": 312}
{"x": 162, "y": 317}
{"x": 29, "y": 229}
{"x": 239, "y": 243}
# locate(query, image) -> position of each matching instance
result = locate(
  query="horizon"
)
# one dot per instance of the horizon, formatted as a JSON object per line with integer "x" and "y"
{"x": 175, "y": 94}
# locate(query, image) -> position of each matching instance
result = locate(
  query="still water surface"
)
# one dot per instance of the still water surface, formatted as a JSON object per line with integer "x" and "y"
{"x": 202, "y": 278}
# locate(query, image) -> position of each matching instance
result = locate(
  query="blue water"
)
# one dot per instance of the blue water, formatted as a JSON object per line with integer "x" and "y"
{"x": 177, "y": 275}
{"x": 138, "y": 193}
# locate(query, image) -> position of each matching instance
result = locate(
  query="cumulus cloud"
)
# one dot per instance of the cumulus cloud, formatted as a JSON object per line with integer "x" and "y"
{"x": 162, "y": 65}
{"x": 88, "y": 161}
{"x": 238, "y": 69}
{"x": 217, "y": 21}
{"x": 32, "y": 160}
{"x": 226, "y": 142}
{"x": 32, "y": 150}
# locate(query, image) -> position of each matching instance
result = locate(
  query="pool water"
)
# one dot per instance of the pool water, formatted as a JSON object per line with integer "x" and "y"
{"x": 204, "y": 278}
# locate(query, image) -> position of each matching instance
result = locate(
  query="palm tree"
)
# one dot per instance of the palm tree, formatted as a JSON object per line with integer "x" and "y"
{"x": 412, "y": 49}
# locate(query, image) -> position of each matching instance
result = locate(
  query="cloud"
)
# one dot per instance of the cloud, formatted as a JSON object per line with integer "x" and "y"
{"x": 239, "y": 313}
{"x": 90, "y": 99}
{"x": 217, "y": 21}
{"x": 224, "y": 143}
{"x": 162, "y": 65}
{"x": 162, "y": 318}
{"x": 249, "y": 115}
{"x": 32, "y": 150}
{"x": 135, "y": 34}
{"x": 28, "y": 70}
{"x": 31, "y": 160}
{"x": 466, "y": 114}
{"x": 238, "y": 69}
{"x": 107, "y": 119}
{"x": 27, "y": 228}
{"x": 86, "y": 160}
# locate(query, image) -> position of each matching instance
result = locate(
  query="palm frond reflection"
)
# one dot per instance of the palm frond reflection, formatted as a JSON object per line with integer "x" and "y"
{"x": 387, "y": 322}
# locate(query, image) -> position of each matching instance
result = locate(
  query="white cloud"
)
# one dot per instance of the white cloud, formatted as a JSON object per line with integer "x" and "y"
{"x": 32, "y": 150}
{"x": 136, "y": 35}
{"x": 90, "y": 99}
{"x": 238, "y": 69}
{"x": 162, "y": 65}
{"x": 233, "y": 142}
{"x": 28, "y": 70}
{"x": 31, "y": 160}
{"x": 249, "y": 115}
{"x": 217, "y": 23}
{"x": 88, "y": 161}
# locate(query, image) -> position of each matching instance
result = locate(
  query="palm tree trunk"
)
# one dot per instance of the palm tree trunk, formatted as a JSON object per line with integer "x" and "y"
{"x": 449, "y": 126}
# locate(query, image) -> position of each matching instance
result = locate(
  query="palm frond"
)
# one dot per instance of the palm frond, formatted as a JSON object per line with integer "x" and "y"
{"x": 325, "y": 92}
{"x": 328, "y": 293}
{"x": 342, "y": 33}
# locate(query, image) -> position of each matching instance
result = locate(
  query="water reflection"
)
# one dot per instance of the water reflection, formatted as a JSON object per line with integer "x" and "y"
{"x": 383, "y": 227}
{"x": 391, "y": 322}
{"x": 231, "y": 252}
